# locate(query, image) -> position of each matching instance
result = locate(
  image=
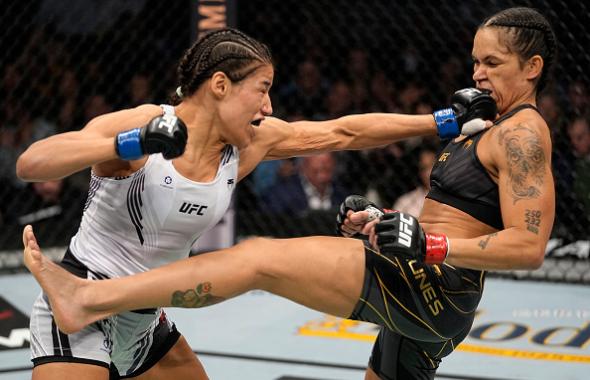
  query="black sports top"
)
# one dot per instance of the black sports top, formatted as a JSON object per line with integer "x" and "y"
{"x": 459, "y": 179}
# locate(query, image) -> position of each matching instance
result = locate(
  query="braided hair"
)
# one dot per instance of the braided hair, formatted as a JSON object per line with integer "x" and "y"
{"x": 529, "y": 33}
{"x": 227, "y": 50}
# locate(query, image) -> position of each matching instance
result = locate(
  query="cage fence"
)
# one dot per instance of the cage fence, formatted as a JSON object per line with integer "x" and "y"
{"x": 66, "y": 62}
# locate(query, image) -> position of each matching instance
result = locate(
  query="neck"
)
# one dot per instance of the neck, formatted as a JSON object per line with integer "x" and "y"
{"x": 201, "y": 123}
{"x": 524, "y": 99}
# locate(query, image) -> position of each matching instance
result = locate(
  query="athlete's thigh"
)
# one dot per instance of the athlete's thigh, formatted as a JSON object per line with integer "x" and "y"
{"x": 180, "y": 363}
{"x": 320, "y": 272}
{"x": 396, "y": 357}
{"x": 69, "y": 371}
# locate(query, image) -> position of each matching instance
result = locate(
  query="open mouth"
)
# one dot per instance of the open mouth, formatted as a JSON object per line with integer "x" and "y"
{"x": 256, "y": 122}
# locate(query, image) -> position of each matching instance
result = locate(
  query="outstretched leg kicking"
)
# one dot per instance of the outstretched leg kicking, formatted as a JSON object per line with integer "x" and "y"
{"x": 322, "y": 273}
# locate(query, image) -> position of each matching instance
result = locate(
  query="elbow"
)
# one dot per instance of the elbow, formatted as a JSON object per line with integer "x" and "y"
{"x": 537, "y": 261}
{"x": 535, "y": 258}
{"x": 24, "y": 167}
{"x": 27, "y": 167}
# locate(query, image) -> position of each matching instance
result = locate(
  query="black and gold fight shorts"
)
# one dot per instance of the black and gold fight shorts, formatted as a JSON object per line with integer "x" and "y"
{"x": 424, "y": 312}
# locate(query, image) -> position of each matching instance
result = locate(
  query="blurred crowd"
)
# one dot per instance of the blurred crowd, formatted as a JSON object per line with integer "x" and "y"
{"x": 47, "y": 88}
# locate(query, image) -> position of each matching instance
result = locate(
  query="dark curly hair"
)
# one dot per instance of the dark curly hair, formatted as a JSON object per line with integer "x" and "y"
{"x": 227, "y": 50}
{"x": 528, "y": 33}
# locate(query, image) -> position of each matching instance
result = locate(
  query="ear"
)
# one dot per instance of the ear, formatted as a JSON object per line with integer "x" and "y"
{"x": 219, "y": 84}
{"x": 534, "y": 67}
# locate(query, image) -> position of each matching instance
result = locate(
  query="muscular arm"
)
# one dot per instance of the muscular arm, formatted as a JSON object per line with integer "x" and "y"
{"x": 522, "y": 155}
{"x": 278, "y": 139}
{"x": 63, "y": 154}
{"x": 348, "y": 132}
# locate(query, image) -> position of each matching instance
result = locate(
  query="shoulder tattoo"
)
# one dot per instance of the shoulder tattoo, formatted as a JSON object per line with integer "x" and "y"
{"x": 526, "y": 161}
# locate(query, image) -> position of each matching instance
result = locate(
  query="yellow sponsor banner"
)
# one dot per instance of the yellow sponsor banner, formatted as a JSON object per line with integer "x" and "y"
{"x": 336, "y": 328}
{"x": 338, "y": 335}
{"x": 523, "y": 354}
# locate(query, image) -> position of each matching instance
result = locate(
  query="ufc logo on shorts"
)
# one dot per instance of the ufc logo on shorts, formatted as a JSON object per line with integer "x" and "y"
{"x": 168, "y": 122}
{"x": 405, "y": 232}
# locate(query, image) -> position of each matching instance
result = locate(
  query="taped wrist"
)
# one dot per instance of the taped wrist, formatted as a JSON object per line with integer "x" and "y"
{"x": 437, "y": 248}
{"x": 128, "y": 144}
{"x": 446, "y": 123}
{"x": 374, "y": 213}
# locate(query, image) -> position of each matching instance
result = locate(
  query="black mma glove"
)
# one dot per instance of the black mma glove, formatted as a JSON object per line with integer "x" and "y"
{"x": 400, "y": 235}
{"x": 164, "y": 134}
{"x": 469, "y": 110}
{"x": 356, "y": 203}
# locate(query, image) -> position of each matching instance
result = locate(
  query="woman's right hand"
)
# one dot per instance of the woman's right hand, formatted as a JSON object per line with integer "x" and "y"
{"x": 357, "y": 215}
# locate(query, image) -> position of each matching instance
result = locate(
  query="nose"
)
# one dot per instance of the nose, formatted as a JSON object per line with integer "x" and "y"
{"x": 478, "y": 73}
{"x": 266, "y": 106}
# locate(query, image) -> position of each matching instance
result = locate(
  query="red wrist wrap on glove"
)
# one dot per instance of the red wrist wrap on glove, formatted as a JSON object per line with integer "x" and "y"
{"x": 437, "y": 248}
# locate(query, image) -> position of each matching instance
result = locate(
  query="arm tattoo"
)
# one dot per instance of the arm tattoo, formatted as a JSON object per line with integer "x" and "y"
{"x": 199, "y": 297}
{"x": 484, "y": 243}
{"x": 526, "y": 161}
{"x": 532, "y": 218}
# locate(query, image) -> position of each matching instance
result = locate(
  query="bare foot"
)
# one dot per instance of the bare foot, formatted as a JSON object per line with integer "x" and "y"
{"x": 65, "y": 291}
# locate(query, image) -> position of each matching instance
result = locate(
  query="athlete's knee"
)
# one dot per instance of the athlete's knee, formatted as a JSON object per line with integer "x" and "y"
{"x": 262, "y": 257}
{"x": 253, "y": 243}
{"x": 254, "y": 255}
{"x": 253, "y": 249}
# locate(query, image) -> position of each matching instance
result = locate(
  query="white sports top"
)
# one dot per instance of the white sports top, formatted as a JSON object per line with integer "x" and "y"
{"x": 151, "y": 218}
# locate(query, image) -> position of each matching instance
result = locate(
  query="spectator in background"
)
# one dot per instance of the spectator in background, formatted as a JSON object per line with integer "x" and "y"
{"x": 413, "y": 99}
{"x": 8, "y": 156}
{"x": 452, "y": 76}
{"x": 358, "y": 73}
{"x": 269, "y": 173}
{"x": 358, "y": 66}
{"x": 31, "y": 128}
{"x": 12, "y": 78}
{"x": 563, "y": 163}
{"x": 395, "y": 163}
{"x": 69, "y": 117}
{"x": 382, "y": 98}
{"x": 53, "y": 207}
{"x": 411, "y": 60}
{"x": 551, "y": 111}
{"x": 578, "y": 98}
{"x": 96, "y": 105}
{"x": 411, "y": 95}
{"x": 312, "y": 188}
{"x": 304, "y": 96}
{"x": 579, "y": 133}
{"x": 339, "y": 101}
{"x": 413, "y": 201}
{"x": 140, "y": 91}
{"x": 18, "y": 129}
